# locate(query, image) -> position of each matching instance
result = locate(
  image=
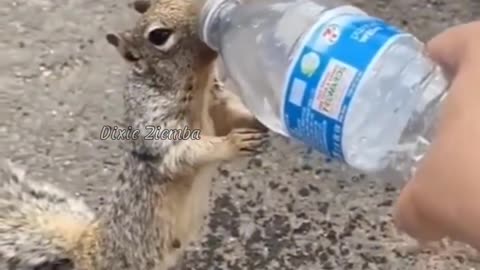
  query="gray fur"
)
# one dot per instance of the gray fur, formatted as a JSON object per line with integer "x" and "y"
{"x": 24, "y": 208}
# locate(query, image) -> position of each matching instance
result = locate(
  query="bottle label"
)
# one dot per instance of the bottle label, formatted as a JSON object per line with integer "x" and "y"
{"x": 325, "y": 73}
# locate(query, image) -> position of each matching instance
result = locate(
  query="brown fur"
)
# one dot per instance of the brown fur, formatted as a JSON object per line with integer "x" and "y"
{"x": 182, "y": 74}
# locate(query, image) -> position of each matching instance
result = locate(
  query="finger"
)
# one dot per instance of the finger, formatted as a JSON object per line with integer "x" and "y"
{"x": 410, "y": 217}
{"x": 449, "y": 47}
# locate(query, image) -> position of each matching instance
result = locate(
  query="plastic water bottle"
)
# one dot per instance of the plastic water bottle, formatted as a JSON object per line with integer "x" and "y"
{"x": 329, "y": 75}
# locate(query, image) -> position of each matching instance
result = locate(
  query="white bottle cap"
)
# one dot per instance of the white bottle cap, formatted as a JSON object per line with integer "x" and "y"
{"x": 207, "y": 13}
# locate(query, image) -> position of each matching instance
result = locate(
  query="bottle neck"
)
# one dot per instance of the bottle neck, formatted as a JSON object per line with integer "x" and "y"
{"x": 215, "y": 15}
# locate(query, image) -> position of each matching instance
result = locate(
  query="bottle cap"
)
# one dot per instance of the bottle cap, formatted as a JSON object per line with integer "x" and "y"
{"x": 207, "y": 14}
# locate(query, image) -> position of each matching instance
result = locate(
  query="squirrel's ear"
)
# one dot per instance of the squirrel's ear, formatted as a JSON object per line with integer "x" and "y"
{"x": 113, "y": 39}
{"x": 141, "y": 6}
{"x": 122, "y": 42}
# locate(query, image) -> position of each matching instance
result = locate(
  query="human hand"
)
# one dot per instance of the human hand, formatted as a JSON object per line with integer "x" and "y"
{"x": 443, "y": 198}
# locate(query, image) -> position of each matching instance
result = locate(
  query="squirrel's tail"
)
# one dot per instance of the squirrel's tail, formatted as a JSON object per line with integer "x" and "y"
{"x": 40, "y": 225}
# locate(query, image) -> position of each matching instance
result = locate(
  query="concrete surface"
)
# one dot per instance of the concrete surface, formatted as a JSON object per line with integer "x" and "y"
{"x": 287, "y": 209}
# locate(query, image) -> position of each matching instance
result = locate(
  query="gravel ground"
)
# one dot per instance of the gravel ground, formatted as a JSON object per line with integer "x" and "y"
{"x": 60, "y": 82}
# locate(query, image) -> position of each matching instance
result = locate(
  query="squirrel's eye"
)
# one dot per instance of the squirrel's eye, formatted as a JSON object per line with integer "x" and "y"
{"x": 159, "y": 37}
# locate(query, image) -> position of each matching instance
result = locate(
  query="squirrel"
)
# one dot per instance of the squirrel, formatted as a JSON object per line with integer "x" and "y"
{"x": 161, "y": 194}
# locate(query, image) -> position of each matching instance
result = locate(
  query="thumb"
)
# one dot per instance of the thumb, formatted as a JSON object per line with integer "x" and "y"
{"x": 410, "y": 217}
{"x": 448, "y": 48}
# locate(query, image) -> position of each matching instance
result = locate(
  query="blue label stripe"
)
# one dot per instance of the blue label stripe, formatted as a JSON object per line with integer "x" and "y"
{"x": 326, "y": 75}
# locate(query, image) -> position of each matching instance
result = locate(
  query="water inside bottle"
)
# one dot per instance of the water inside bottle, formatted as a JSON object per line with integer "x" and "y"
{"x": 395, "y": 91}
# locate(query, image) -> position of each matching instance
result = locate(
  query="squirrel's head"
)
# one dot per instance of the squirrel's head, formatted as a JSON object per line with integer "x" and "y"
{"x": 164, "y": 37}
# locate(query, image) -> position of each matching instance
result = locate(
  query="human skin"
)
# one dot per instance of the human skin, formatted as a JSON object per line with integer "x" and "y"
{"x": 443, "y": 198}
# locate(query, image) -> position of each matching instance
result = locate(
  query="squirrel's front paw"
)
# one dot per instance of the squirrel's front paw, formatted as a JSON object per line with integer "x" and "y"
{"x": 247, "y": 141}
